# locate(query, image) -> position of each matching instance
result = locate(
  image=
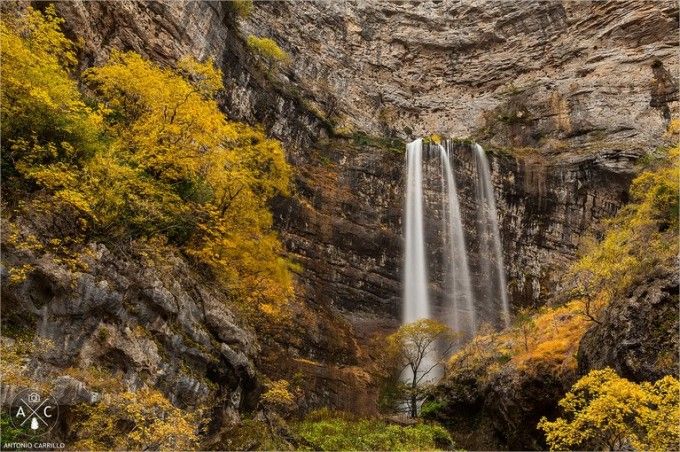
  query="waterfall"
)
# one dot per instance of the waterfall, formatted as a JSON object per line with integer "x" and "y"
{"x": 456, "y": 303}
{"x": 458, "y": 272}
{"x": 489, "y": 238}
{"x": 416, "y": 302}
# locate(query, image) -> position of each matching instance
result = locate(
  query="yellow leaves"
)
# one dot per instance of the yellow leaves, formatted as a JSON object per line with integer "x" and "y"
{"x": 39, "y": 102}
{"x": 138, "y": 420}
{"x": 413, "y": 342}
{"x": 552, "y": 338}
{"x": 204, "y": 77}
{"x": 638, "y": 237}
{"x": 16, "y": 356}
{"x": 605, "y": 411}
{"x": 267, "y": 48}
{"x": 673, "y": 127}
{"x": 545, "y": 341}
{"x": 242, "y": 8}
{"x": 278, "y": 396}
{"x": 17, "y": 275}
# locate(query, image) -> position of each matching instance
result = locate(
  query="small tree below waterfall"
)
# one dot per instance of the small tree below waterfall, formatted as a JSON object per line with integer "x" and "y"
{"x": 418, "y": 349}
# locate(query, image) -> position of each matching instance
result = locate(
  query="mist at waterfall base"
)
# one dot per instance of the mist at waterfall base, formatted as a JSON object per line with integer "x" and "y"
{"x": 453, "y": 263}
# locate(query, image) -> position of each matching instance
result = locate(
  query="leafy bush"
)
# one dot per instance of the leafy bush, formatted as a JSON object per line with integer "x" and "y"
{"x": 606, "y": 412}
{"x": 277, "y": 397}
{"x": 637, "y": 237}
{"x": 139, "y": 420}
{"x": 242, "y": 8}
{"x": 431, "y": 408}
{"x": 268, "y": 49}
{"x": 333, "y": 431}
{"x": 44, "y": 118}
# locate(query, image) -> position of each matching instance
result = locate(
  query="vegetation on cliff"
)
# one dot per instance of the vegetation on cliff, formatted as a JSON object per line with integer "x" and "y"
{"x": 143, "y": 154}
{"x": 139, "y": 158}
{"x": 639, "y": 238}
{"x": 268, "y": 49}
{"x": 138, "y": 420}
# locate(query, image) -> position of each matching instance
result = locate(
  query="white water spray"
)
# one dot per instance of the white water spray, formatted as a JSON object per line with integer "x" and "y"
{"x": 463, "y": 318}
{"x": 459, "y": 307}
{"x": 416, "y": 301}
{"x": 490, "y": 239}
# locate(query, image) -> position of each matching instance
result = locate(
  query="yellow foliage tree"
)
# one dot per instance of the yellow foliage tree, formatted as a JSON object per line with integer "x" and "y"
{"x": 637, "y": 239}
{"x": 155, "y": 158}
{"x": 414, "y": 348}
{"x": 603, "y": 411}
{"x": 217, "y": 176}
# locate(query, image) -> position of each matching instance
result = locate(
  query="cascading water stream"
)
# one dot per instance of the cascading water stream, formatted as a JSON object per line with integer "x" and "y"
{"x": 462, "y": 310}
{"x": 416, "y": 301}
{"x": 490, "y": 240}
{"x": 463, "y": 317}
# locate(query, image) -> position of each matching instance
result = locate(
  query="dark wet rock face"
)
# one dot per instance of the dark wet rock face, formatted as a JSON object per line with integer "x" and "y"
{"x": 638, "y": 333}
{"x": 344, "y": 228}
{"x": 345, "y": 224}
{"x": 498, "y": 410}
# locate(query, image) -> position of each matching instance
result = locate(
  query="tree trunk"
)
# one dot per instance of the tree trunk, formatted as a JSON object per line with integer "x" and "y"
{"x": 414, "y": 398}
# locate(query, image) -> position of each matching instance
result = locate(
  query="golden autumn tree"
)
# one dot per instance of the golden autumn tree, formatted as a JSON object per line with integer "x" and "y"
{"x": 642, "y": 236}
{"x": 603, "y": 411}
{"x": 216, "y": 177}
{"x": 416, "y": 349}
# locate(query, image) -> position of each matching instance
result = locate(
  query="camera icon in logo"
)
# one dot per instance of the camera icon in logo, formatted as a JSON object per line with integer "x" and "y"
{"x": 34, "y": 397}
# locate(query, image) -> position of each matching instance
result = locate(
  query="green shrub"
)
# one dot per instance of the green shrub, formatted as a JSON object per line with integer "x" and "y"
{"x": 431, "y": 408}
{"x": 242, "y": 8}
{"x": 268, "y": 49}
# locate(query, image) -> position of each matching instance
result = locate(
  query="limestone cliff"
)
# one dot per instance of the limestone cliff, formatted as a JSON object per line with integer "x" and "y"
{"x": 584, "y": 89}
{"x": 566, "y": 96}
